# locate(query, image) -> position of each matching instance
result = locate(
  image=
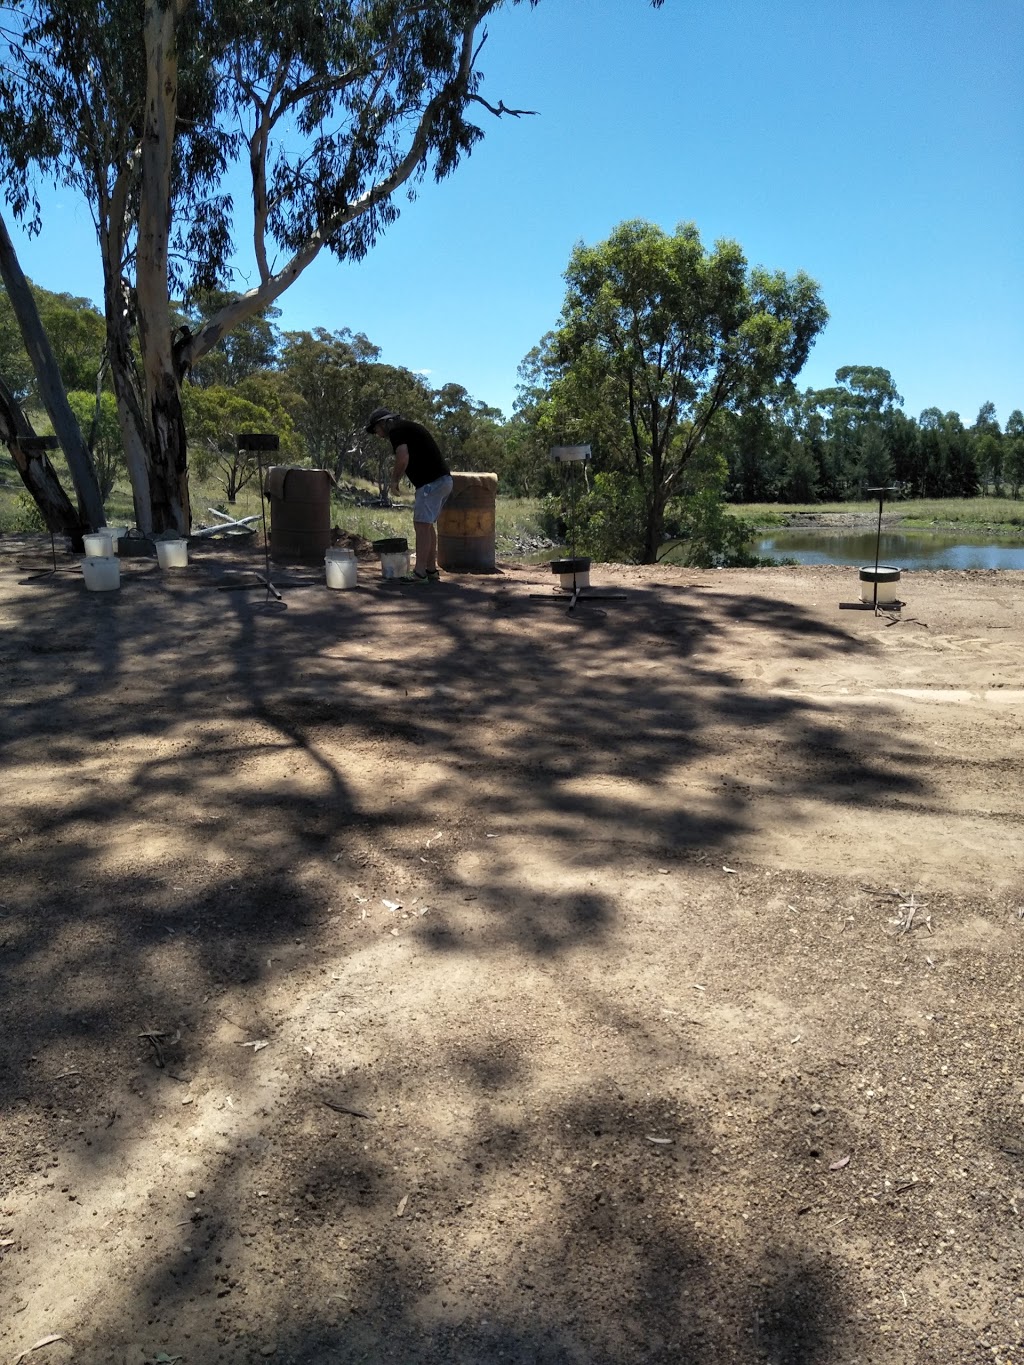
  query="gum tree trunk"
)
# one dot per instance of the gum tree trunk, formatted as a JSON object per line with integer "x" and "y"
{"x": 51, "y": 386}
{"x": 164, "y": 420}
{"x": 129, "y": 405}
{"x": 37, "y": 473}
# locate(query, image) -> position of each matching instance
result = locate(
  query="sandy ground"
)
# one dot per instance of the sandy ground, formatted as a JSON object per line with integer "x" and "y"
{"x": 437, "y": 975}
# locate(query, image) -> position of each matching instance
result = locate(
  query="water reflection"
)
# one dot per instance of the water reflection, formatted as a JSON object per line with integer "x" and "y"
{"x": 904, "y": 549}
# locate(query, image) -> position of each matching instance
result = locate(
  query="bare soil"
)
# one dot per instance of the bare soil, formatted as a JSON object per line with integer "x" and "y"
{"x": 439, "y": 975}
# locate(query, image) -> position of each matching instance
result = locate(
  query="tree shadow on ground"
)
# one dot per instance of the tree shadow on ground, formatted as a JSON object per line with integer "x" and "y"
{"x": 187, "y": 791}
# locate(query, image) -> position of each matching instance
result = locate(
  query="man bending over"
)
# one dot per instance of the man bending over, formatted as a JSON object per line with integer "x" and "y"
{"x": 418, "y": 457}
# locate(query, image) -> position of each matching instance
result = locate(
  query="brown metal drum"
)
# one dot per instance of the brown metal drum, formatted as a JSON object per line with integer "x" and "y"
{"x": 300, "y": 514}
{"x": 466, "y": 526}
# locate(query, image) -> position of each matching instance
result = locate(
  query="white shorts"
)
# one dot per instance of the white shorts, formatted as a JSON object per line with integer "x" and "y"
{"x": 430, "y": 498}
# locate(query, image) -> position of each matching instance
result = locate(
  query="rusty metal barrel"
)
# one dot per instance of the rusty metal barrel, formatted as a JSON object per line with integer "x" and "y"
{"x": 466, "y": 526}
{"x": 300, "y": 514}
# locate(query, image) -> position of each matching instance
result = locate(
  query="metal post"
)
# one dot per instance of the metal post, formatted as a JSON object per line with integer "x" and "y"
{"x": 37, "y": 445}
{"x": 894, "y": 488}
{"x": 573, "y": 455}
{"x": 256, "y": 443}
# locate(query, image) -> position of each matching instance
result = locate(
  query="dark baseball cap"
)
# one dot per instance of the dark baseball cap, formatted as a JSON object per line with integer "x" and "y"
{"x": 379, "y": 415}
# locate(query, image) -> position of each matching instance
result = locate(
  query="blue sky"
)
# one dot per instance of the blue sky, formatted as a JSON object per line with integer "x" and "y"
{"x": 877, "y": 146}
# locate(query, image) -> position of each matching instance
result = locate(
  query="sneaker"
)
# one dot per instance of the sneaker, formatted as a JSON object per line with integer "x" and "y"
{"x": 433, "y": 576}
{"x": 414, "y": 578}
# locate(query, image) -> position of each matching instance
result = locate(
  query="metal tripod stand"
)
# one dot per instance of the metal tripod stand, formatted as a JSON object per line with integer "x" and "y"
{"x": 574, "y": 455}
{"x": 881, "y": 492}
{"x": 255, "y": 443}
{"x": 38, "y": 445}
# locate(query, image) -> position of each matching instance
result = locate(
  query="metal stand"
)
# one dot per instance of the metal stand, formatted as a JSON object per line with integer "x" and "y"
{"x": 46, "y": 573}
{"x": 878, "y": 537}
{"x": 575, "y": 455}
{"x": 256, "y": 443}
{"x": 37, "y": 445}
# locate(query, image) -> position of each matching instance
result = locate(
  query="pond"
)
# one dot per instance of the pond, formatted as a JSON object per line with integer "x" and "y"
{"x": 903, "y": 549}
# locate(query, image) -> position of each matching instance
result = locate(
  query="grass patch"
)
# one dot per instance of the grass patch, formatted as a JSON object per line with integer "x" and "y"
{"x": 516, "y": 520}
{"x": 998, "y": 516}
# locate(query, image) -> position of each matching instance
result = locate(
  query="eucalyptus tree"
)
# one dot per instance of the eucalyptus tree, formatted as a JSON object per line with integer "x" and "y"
{"x": 214, "y": 416}
{"x": 987, "y": 448}
{"x": 144, "y": 110}
{"x": 469, "y": 432}
{"x": 857, "y": 413}
{"x": 331, "y": 371}
{"x": 253, "y": 346}
{"x": 1015, "y": 451}
{"x": 659, "y": 335}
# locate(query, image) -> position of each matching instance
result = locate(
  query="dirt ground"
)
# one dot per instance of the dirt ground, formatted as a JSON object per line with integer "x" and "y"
{"x": 438, "y": 975}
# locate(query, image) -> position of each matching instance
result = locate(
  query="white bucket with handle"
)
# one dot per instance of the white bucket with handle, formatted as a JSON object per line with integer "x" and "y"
{"x": 341, "y": 569}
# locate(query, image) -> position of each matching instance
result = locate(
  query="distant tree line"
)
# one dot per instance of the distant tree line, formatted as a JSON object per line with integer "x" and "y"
{"x": 831, "y": 444}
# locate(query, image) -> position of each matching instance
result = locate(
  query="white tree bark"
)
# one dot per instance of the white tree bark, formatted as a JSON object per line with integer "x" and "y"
{"x": 272, "y": 285}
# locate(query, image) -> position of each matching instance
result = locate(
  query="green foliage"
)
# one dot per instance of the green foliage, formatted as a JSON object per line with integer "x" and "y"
{"x": 830, "y": 444}
{"x": 872, "y": 463}
{"x": 214, "y": 416}
{"x": 26, "y": 515}
{"x": 710, "y": 536}
{"x": 1014, "y": 436}
{"x": 658, "y": 337}
{"x": 799, "y": 480}
{"x": 334, "y": 375}
{"x": 469, "y": 433}
{"x": 102, "y": 434}
{"x": 15, "y": 367}
{"x": 75, "y": 331}
{"x": 611, "y": 519}
{"x": 250, "y": 348}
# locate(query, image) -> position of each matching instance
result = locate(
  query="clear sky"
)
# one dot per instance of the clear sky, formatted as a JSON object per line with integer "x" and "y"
{"x": 876, "y": 145}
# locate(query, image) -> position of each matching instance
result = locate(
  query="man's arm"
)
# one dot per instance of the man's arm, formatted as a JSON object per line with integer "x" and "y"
{"x": 399, "y": 467}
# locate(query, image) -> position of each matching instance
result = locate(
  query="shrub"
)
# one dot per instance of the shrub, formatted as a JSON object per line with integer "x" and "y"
{"x": 26, "y": 515}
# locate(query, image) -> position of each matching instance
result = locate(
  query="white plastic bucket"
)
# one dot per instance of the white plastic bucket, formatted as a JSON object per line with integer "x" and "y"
{"x": 887, "y": 578}
{"x": 172, "y": 554}
{"x": 395, "y": 564}
{"x": 99, "y": 544}
{"x": 102, "y": 573}
{"x": 115, "y": 533}
{"x": 341, "y": 569}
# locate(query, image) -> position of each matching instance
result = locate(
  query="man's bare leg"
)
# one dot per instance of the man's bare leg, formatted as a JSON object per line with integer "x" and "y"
{"x": 426, "y": 546}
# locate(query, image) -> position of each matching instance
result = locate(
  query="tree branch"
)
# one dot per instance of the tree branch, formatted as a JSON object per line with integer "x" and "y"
{"x": 500, "y": 108}
{"x": 272, "y": 286}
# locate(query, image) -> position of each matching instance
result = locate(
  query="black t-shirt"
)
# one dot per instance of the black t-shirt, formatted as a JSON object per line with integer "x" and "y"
{"x": 426, "y": 463}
